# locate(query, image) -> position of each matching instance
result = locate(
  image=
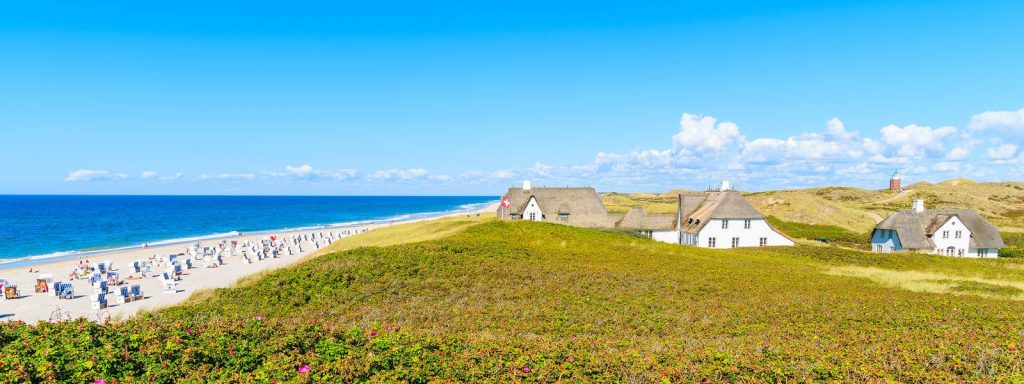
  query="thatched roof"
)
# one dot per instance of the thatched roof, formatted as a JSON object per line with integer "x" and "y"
{"x": 636, "y": 218}
{"x": 719, "y": 205}
{"x": 583, "y": 205}
{"x": 915, "y": 229}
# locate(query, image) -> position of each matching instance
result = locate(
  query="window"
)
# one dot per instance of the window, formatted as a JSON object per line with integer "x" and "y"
{"x": 960, "y": 252}
{"x": 945, "y": 234}
{"x": 735, "y": 242}
{"x": 762, "y": 242}
{"x": 957, "y": 234}
{"x": 563, "y": 216}
{"x": 746, "y": 224}
{"x": 878, "y": 248}
{"x": 982, "y": 252}
{"x": 711, "y": 242}
{"x": 725, "y": 224}
{"x": 533, "y": 216}
{"x": 515, "y": 216}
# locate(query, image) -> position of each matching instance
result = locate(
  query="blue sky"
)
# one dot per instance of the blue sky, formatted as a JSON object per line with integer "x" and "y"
{"x": 470, "y": 97}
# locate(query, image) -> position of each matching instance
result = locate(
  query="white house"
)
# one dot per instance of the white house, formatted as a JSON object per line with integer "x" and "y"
{"x": 573, "y": 206}
{"x": 714, "y": 219}
{"x": 725, "y": 219}
{"x": 959, "y": 233}
{"x": 664, "y": 228}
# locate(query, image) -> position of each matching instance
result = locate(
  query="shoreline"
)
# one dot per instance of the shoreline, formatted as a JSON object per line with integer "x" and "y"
{"x": 58, "y": 256}
{"x": 32, "y": 307}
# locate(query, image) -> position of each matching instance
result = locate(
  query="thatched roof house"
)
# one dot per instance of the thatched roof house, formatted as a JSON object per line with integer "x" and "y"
{"x": 573, "y": 206}
{"x": 916, "y": 229}
{"x": 701, "y": 209}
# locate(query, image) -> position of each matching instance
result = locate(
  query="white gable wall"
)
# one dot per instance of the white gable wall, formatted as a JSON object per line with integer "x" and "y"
{"x": 666, "y": 236}
{"x": 532, "y": 210}
{"x": 945, "y": 237}
{"x": 748, "y": 237}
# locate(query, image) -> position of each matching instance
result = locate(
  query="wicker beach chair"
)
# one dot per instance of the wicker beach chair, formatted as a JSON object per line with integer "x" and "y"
{"x": 136, "y": 292}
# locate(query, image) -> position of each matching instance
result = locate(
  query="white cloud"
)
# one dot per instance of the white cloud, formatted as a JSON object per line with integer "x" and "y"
{"x": 85, "y": 175}
{"x": 957, "y": 154}
{"x": 872, "y": 145}
{"x": 177, "y": 176}
{"x": 229, "y": 176}
{"x": 1002, "y": 152}
{"x": 946, "y": 166}
{"x": 307, "y": 172}
{"x": 439, "y": 177}
{"x": 540, "y": 169}
{"x": 502, "y": 174}
{"x": 1010, "y": 120}
{"x": 913, "y": 140}
{"x": 300, "y": 171}
{"x": 147, "y": 174}
{"x": 837, "y": 129}
{"x": 702, "y": 133}
{"x": 399, "y": 174}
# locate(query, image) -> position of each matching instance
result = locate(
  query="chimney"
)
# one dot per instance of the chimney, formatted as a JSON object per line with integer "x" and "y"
{"x": 526, "y": 185}
{"x": 725, "y": 186}
{"x": 679, "y": 220}
{"x": 918, "y": 205}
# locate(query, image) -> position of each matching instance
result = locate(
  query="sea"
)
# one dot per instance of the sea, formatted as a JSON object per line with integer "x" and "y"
{"x": 41, "y": 228}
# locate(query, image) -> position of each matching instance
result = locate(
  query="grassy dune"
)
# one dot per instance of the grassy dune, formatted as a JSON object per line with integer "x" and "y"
{"x": 532, "y": 302}
{"x": 858, "y": 210}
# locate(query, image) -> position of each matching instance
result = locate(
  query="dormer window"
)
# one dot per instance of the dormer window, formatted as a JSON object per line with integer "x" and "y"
{"x": 563, "y": 216}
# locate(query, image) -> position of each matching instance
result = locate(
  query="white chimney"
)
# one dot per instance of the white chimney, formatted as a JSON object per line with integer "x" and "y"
{"x": 725, "y": 186}
{"x": 526, "y": 185}
{"x": 918, "y": 205}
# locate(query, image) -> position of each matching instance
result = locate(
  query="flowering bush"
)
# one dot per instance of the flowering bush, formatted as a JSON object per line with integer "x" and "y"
{"x": 532, "y": 302}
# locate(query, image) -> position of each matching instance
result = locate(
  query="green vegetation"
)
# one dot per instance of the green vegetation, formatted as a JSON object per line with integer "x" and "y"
{"x": 858, "y": 210}
{"x": 832, "y": 234}
{"x": 535, "y": 302}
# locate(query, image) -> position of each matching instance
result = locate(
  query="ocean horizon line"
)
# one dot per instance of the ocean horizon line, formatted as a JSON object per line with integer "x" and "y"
{"x": 255, "y": 227}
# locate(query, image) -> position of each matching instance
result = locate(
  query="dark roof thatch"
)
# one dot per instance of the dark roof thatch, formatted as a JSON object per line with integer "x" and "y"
{"x": 916, "y": 228}
{"x": 583, "y": 205}
{"x": 719, "y": 205}
{"x": 636, "y": 218}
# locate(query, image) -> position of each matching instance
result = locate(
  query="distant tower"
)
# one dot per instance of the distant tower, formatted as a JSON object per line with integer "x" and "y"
{"x": 894, "y": 182}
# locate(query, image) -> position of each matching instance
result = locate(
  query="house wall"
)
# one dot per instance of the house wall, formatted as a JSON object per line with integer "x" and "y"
{"x": 667, "y": 236}
{"x": 749, "y": 237}
{"x": 688, "y": 238}
{"x": 885, "y": 241}
{"x": 962, "y": 244}
{"x": 532, "y": 207}
{"x": 985, "y": 253}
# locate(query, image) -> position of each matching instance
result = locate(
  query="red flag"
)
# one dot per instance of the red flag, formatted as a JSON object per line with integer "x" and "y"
{"x": 504, "y": 202}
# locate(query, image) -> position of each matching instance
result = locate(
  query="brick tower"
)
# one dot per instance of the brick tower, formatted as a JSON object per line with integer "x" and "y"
{"x": 894, "y": 182}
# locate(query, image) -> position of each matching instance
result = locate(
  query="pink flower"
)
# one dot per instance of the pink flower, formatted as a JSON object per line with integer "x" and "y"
{"x": 189, "y": 331}
{"x": 526, "y": 369}
{"x": 259, "y": 317}
{"x": 373, "y": 332}
{"x": 100, "y": 381}
{"x": 387, "y": 327}
{"x": 304, "y": 368}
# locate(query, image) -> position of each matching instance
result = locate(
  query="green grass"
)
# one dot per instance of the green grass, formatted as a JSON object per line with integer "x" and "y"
{"x": 834, "y": 234}
{"x": 535, "y": 302}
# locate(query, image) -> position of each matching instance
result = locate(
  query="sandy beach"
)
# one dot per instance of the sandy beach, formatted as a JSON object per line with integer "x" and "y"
{"x": 32, "y": 307}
